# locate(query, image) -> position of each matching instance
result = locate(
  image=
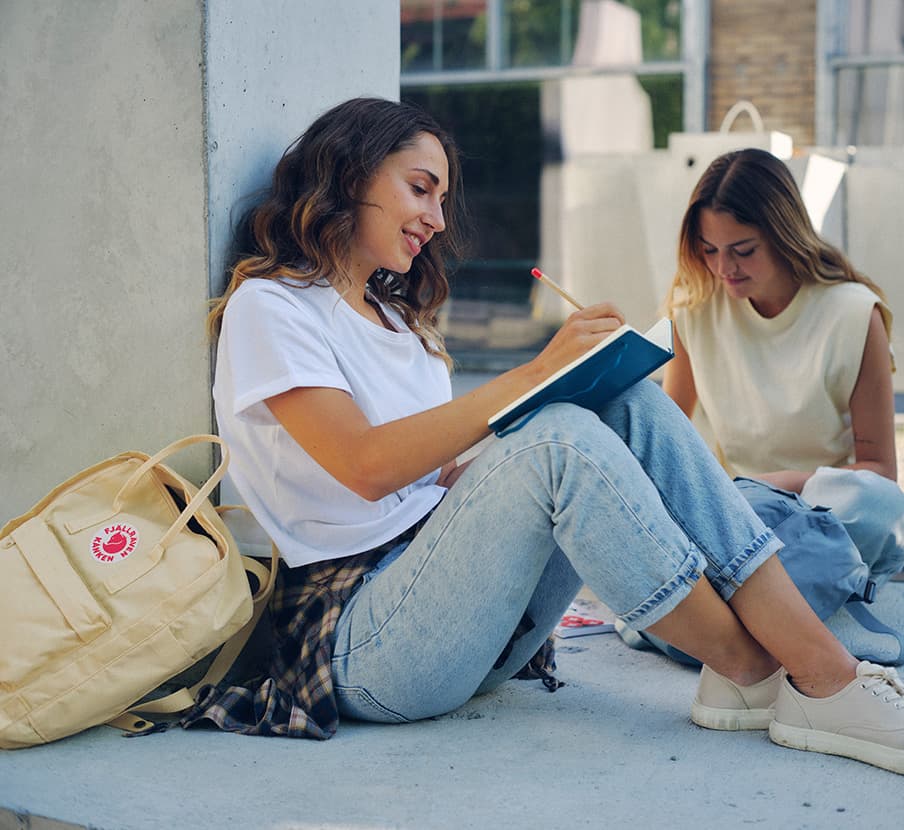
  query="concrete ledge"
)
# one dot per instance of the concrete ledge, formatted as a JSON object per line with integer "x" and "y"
{"x": 614, "y": 744}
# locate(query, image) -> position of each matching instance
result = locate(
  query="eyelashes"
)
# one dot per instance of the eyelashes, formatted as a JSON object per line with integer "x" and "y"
{"x": 742, "y": 254}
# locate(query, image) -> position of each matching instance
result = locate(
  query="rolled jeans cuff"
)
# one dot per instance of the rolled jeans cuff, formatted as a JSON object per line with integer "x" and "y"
{"x": 739, "y": 569}
{"x": 669, "y": 595}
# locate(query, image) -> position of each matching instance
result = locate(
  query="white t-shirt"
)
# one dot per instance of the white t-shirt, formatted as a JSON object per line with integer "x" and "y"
{"x": 275, "y": 338}
{"x": 777, "y": 390}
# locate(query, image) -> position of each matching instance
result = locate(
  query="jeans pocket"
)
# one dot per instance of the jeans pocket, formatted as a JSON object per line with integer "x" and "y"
{"x": 358, "y": 703}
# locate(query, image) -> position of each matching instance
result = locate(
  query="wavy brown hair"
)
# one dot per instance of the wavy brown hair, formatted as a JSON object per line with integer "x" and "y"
{"x": 303, "y": 226}
{"x": 757, "y": 189}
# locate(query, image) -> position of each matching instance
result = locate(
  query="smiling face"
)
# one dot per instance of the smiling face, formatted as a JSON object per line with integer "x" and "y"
{"x": 401, "y": 210}
{"x": 744, "y": 262}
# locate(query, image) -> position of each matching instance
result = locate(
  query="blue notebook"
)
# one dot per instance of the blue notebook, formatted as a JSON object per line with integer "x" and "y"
{"x": 598, "y": 375}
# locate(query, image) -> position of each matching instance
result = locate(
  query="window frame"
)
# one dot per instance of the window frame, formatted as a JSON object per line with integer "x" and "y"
{"x": 692, "y": 66}
{"x": 831, "y": 59}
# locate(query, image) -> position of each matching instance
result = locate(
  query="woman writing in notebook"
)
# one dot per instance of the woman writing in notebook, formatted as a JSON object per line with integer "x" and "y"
{"x": 786, "y": 347}
{"x": 410, "y": 582}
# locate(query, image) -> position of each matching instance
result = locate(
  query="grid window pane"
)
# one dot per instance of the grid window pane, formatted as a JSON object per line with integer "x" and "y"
{"x": 870, "y": 106}
{"x": 443, "y": 34}
{"x": 660, "y": 28}
{"x": 539, "y": 32}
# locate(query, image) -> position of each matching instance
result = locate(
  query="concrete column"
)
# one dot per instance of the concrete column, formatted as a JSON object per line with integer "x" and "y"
{"x": 127, "y": 133}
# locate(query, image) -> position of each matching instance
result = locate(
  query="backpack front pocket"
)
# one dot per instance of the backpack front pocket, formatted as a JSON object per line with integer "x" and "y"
{"x": 47, "y": 609}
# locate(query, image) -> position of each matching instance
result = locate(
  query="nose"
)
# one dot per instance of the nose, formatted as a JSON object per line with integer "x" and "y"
{"x": 434, "y": 218}
{"x": 725, "y": 263}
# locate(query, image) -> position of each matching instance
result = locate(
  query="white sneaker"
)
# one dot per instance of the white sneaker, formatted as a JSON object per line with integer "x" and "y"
{"x": 723, "y": 704}
{"x": 864, "y": 721}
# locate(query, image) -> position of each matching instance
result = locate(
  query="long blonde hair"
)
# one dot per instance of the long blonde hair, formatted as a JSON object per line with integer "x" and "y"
{"x": 757, "y": 189}
{"x": 303, "y": 227}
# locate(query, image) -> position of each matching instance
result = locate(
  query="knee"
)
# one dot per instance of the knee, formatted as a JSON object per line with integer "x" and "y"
{"x": 559, "y": 422}
{"x": 647, "y": 401}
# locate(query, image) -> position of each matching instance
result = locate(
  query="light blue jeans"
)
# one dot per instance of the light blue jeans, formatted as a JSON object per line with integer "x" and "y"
{"x": 629, "y": 501}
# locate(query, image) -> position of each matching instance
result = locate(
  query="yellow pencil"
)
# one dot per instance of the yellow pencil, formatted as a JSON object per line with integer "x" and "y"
{"x": 558, "y": 289}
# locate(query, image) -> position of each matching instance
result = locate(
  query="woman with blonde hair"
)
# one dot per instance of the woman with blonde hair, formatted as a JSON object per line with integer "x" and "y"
{"x": 410, "y": 582}
{"x": 786, "y": 347}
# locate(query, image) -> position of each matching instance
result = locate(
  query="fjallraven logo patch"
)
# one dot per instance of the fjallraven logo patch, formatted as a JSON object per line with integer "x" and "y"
{"x": 114, "y": 543}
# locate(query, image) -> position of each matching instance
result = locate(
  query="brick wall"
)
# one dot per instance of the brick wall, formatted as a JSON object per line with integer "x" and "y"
{"x": 764, "y": 51}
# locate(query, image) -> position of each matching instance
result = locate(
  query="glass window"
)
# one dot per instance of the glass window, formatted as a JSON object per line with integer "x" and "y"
{"x": 870, "y": 106}
{"x": 512, "y": 48}
{"x": 497, "y": 127}
{"x": 862, "y": 65}
{"x": 539, "y": 32}
{"x": 660, "y": 28}
{"x": 443, "y": 34}
{"x": 667, "y": 105}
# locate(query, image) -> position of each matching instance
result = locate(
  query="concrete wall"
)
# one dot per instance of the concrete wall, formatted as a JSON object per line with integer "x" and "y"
{"x": 127, "y": 130}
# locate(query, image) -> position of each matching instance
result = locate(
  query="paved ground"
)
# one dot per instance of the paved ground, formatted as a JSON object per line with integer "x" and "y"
{"x": 613, "y": 748}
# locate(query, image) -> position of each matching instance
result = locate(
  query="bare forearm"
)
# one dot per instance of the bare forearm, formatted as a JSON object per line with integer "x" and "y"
{"x": 390, "y": 456}
{"x": 374, "y": 461}
{"x": 795, "y": 480}
{"x": 792, "y": 480}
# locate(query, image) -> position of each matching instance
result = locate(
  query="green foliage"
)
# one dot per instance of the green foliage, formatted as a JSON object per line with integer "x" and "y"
{"x": 660, "y": 27}
{"x": 667, "y": 104}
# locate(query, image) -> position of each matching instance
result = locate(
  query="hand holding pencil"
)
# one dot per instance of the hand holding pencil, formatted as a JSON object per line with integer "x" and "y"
{"x": 582, "y": 330}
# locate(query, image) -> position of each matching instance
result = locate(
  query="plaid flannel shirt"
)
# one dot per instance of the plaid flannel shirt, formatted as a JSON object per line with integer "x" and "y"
{"x": 296, "y": 698}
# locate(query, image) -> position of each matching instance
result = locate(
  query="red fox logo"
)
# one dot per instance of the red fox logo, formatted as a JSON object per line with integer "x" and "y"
{"x": 114, "y": 543}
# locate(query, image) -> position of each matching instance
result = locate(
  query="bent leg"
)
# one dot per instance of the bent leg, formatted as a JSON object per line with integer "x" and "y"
{"x": 696, "y": 492}
{"x": 421, "y": 636}
{"x": 765, "y": 600}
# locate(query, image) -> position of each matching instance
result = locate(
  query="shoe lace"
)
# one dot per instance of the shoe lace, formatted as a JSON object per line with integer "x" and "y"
{"x": 884, "y": 681}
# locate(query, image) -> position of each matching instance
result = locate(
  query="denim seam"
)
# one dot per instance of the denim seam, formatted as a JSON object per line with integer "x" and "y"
{"x": 612, "y": 489}
{"x": 664, "y": 600}
{"x": 363, "y": 697}
{"x": 739, "y": 569}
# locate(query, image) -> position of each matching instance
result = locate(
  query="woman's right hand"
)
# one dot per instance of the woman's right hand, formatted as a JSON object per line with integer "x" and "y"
{"x": 578, "y": 334}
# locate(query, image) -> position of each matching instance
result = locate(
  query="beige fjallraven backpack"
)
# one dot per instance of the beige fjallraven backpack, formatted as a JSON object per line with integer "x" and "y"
{"x": 118, "y": 580}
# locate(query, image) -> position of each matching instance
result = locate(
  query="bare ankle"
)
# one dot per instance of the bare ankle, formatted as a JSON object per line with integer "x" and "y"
{"x": 749, "y": 674}
{"x": 824, "y": 683}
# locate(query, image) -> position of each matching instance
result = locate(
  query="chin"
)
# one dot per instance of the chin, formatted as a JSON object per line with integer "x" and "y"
{"x": 401, "y": 267}
{"x": 739, "y": 292}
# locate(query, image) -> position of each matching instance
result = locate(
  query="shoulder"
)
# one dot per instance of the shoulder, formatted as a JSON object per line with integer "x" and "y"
{"x": 270, "y": 296}
{"x": 851, "y": 301}
{"x": 708, "y": 313}
{"x": 853, "y": 295}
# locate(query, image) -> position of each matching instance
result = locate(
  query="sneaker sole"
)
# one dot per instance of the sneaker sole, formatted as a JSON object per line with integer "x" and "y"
{"x": 730, "y": 720}
{"x": 812, "y": 740}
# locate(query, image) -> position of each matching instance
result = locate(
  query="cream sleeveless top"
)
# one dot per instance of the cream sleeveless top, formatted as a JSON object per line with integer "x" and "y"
{"x": 777, "y": 390}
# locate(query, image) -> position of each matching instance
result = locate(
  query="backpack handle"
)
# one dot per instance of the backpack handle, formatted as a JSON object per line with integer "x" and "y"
{"x": 197, "y": 500}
